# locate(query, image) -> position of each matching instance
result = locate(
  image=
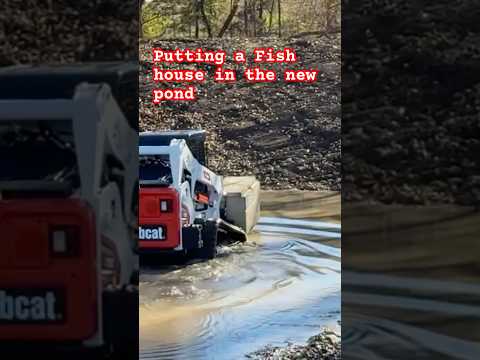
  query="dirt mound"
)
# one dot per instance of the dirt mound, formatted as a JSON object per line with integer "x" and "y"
{"x": 288, "y": 135}
{"x": 45, "y": 31}
{"x": 411, "y": 90}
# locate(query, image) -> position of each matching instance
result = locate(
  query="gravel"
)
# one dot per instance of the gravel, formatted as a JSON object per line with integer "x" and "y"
{"x": 46, "y": 31}
{"x": 325, "y": 346}
{"x": 288, "y": 135}
{"x": 411, "y": 102}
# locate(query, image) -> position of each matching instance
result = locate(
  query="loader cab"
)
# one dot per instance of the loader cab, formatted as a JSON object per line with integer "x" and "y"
{"x": 196, "y": 143}
{"x": 159, "y": 203}
{"x": 38, "y": 159}
{"x": 195, "y": 139}
{"x": 46, "y": 275}
{"x": 167, "y": 207}
{"x": 60, "y": 81}
{"x": 66, "y": 250}
{"x": 155, "y": 171}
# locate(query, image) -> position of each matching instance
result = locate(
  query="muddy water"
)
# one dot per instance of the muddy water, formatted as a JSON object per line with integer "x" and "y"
{"x": 284, "y": 285}
{"x": 410, "y": 282}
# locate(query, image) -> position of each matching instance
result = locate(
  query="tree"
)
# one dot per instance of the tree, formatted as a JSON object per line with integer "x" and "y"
{"x": 272, "y": 8}
{"x": 245, "y": 16}
{"x": 253, "y": 16}
{"x": 249, "y": 18}
{"x": 228, "y": 21}
{"x": 279, "y": 2}
{"x": 140, "y": 6}
{"x": 260, "y": 16}
{"x": 197, "y": 21}
{"x": 331, "y": 10}
{"x": 205, "y": 17}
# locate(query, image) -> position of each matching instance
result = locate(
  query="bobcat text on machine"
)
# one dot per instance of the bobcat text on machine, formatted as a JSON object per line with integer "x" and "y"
{"x": 68, "y": 209}
{"x": 184, "y": 206}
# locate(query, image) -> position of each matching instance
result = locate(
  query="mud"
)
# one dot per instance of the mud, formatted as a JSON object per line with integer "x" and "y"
{"x": 410, "y": 282}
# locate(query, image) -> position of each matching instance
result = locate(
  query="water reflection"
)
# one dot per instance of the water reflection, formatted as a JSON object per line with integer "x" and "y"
{"x": 410, "y": 283}
{"x": 284, "y": 285}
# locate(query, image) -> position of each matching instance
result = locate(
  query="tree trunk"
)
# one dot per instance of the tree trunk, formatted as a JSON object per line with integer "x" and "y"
{"x": 253, "y": 13}
{"x": 205, "y": 18}
{"x": 279, "y": 2}
{"x": 245, "y": 16}
{"x": 196, "y": 5}
{"x": 331, "y": 14}
{"x": 229, "y": 20}
{"x": 174, "y": 21}
{"x": 140, "y": 18}
{"x": 260, "y": 16}
{"x": 271, "y": 16}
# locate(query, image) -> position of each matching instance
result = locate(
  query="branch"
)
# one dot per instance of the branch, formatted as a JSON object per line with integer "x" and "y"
{"x": 151, "y": 19}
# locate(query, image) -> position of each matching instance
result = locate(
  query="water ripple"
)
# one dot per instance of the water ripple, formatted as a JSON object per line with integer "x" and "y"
{"x": 284, "y": 285}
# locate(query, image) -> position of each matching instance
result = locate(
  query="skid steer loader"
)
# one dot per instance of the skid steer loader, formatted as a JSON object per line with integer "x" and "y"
{"x": 184, "y": 206}
{"x": 68, "y": 200}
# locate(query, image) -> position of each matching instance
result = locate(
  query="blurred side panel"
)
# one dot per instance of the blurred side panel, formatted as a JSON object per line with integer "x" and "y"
{"x": 411, "y": 189}
{"x": 69, "y": 178}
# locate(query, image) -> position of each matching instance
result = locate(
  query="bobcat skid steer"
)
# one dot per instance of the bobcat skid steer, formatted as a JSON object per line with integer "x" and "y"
{"x": 68, "y": 222}
{"x": 184, "y": 205}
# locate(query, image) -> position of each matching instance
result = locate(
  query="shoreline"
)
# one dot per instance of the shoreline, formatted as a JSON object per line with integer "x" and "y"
{"x": 324, "y": 346}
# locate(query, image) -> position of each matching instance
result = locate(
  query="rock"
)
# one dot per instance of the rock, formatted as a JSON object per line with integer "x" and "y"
{"x": 325, "y": 346}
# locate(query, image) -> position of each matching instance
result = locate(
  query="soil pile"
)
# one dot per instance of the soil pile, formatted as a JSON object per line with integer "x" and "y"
{"x": 288, "y": 135}
{"x": 45, "y": 31}
{"x": 411, "y": 99}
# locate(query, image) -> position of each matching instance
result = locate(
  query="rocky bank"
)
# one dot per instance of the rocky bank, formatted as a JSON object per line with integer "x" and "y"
{"x": 325, "y": 346}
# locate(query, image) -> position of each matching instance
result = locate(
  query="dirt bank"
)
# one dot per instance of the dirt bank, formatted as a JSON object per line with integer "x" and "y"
{"x": 411, "y": 90}
{"x": 288, "y": 135}
{"x": 36, "y": 32}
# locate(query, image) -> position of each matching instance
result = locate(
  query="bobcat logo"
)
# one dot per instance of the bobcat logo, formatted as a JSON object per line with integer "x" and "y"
{"x": 27, "y": 308}
{"x": 151, "y": 233}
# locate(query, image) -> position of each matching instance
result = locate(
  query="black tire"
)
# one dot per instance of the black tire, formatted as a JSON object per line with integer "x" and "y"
{"x": 209, "y": 238}
{"x": 121, "y": 323}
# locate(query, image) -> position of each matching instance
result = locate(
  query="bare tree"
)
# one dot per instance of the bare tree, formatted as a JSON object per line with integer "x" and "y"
{"x": 253, "y": 16}
{"x": 197, "y": 18}
{"x": 228, "y": 21}
{"x": 272, "y": 8}
{"x": 250, "y": 18}
{"x": 140, "y": 20}
{"x": 260, "y": 15}
{"x": 245, "y": 17}
{"x": 331, "y": 10}
{"x": 205, "y": 18}
{"x": 279, "y": 2}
